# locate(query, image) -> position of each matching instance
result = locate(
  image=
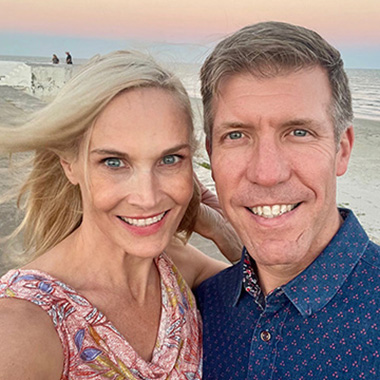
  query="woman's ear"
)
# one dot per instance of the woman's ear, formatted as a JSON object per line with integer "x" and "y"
{"x": 69, "y": 167}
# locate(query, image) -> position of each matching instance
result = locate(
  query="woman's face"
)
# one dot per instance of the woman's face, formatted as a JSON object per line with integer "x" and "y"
{"x": 139, "y": 171}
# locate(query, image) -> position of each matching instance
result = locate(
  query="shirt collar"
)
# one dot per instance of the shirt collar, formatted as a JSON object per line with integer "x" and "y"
{"x": 312, "y": 289}
{"x": 317, "y": 284}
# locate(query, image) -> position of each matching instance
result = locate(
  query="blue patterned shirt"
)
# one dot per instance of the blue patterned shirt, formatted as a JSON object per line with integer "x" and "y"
{"x": 323, "y": 324}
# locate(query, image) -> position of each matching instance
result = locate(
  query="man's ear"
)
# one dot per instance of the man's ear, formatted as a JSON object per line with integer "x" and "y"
{"x": 345, "y": 148}
{"x": 68, "y": 167}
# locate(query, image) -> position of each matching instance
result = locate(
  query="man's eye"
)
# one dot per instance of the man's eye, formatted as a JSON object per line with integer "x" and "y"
{"x": 235, "y": 135}
{"x": 299, "y": 133}
{"x": 113, "y": 162}
{"x": 170, "y": 159}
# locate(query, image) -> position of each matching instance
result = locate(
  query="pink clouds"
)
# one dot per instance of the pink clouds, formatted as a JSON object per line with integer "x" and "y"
{"x": 187, "y": 20}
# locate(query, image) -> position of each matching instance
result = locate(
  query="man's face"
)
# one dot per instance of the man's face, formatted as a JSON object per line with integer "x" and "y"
{"x": 275, "y": 162}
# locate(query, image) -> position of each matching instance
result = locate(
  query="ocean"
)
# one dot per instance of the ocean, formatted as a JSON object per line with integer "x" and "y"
{"x": 364, "y": 83}
{"x": 365, "y": 88}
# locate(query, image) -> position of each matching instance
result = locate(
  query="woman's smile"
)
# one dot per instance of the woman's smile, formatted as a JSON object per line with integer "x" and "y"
{"x": 143, "y": 221}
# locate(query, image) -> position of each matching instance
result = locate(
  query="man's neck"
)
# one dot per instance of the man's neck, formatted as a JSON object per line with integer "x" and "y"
{"x": 273, "y": 277}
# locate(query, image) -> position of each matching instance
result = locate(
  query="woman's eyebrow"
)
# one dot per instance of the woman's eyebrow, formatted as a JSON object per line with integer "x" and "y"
{"x": 109, "y": 152}
{"x": 116, "y": 153}
{"x": 176, "y": 148}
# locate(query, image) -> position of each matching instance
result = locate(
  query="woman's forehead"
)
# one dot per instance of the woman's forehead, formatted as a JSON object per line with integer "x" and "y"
{"x": 140, "y": 118}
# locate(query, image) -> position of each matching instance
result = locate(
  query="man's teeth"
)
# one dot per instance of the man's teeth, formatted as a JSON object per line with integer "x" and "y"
{"x": 143, "y": 222}
{"x": 272, "y": 211}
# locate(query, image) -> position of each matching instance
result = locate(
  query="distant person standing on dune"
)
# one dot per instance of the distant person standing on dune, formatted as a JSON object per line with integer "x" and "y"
{"x": 55, "y": 59}
{"x": 69, "y": 59}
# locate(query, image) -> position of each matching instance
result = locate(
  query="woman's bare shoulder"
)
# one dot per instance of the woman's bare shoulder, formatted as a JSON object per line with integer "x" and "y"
{"x": 194, "y": 265}
{"x": 29, "y": 346}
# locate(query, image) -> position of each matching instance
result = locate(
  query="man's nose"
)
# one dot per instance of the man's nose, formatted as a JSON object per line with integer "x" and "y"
{"x": 268, "y": 164}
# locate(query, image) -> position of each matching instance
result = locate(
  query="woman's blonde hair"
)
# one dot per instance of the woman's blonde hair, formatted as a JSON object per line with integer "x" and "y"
{"x": 52, "y": 205}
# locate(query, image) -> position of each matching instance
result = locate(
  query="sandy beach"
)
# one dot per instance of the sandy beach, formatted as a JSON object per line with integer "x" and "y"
{"x": 358, "y": 189}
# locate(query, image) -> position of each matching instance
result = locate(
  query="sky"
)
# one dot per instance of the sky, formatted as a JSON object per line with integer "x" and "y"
{"x": 183, "y": 29}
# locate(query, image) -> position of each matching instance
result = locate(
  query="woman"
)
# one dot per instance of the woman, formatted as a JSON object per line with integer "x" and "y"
{"x": 111, "y": 184}
{"x": 55, "y": 59}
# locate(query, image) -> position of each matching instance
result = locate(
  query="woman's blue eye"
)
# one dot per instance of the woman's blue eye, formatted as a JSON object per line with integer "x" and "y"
{"x": 113, "y": 162}
{"x": 235, "y": 135}
{"x": 300, "y": 132}
{"x": 170, "y": 159}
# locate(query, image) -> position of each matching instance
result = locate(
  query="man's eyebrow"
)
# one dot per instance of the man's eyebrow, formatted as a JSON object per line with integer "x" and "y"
{"x": 231, "y": 125}
{"x": 300, "y": 122}
{"x": 238, "y": 124}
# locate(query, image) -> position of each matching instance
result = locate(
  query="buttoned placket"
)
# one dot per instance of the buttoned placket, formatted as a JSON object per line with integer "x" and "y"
{"x": 266, "y": 336}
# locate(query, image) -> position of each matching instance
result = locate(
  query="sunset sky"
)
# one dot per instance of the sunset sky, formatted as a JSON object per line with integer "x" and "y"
{"x": 43, "y": 27}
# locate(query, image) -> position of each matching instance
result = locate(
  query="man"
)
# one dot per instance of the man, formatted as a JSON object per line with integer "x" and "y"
{"x": 304, "y": 301}
{"x": 69, "y": 59}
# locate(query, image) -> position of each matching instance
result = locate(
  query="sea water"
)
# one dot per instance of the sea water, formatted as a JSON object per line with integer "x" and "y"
{"x": 365, "y": 88}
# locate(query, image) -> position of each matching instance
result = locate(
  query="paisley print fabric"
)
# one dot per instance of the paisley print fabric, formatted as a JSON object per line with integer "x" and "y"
{"x": 92, "y": 346}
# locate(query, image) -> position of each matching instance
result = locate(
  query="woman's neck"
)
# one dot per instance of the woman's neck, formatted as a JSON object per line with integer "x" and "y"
{"x": 86, "y": 264}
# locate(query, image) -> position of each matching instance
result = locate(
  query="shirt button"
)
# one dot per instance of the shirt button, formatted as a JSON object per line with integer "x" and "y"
{"x": 265, "y": 336}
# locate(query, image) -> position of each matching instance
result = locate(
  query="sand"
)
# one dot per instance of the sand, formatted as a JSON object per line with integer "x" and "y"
{"x": 358, "y": 189}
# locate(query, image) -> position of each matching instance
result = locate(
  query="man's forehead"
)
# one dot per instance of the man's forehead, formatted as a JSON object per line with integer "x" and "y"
{"x": 241, "y": 84}
{"x": 261, "y": 75}
{"x": 292, "y": 98}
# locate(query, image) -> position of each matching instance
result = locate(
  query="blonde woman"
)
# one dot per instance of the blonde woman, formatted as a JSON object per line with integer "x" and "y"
{"x": 111, "y": 184}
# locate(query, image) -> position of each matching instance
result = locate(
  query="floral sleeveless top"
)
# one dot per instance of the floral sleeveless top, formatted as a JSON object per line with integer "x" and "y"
{"x": 94, "y": 349}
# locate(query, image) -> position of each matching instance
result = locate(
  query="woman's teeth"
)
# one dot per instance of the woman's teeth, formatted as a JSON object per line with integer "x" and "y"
{"x": 272, "y": 211}
{"x": 143, "y": 222}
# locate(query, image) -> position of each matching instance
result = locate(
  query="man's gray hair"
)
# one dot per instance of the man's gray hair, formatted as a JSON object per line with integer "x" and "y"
{"x": 269, "y": 49}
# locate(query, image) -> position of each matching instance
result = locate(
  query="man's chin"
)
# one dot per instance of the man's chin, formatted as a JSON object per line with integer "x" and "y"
{"x": 276, "y": 252}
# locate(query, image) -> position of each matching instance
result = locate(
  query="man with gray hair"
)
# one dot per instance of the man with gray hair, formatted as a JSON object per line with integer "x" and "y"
{"x": 304, "y": 301}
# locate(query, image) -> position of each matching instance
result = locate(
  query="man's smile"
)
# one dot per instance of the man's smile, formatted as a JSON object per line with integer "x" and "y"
{"x": 273, "y": 211}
